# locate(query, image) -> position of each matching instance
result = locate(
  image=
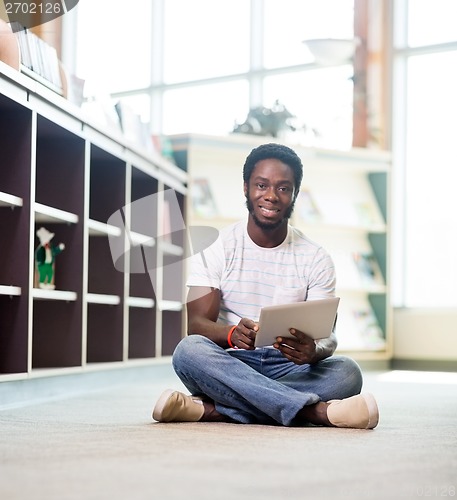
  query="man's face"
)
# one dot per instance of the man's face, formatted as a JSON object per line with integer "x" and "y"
{"x": 270, "y": 193}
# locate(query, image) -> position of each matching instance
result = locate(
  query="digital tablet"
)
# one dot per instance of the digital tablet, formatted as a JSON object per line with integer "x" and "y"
{"x": 316, "y": 318}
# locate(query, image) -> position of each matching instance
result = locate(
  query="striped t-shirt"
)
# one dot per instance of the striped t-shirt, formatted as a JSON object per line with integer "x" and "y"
{"x": 251, "y": 277}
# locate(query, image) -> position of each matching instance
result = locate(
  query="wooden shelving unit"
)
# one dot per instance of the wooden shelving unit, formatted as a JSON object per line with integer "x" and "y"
{"x": 63, "y": 172}
{"x": 344, "y": 206}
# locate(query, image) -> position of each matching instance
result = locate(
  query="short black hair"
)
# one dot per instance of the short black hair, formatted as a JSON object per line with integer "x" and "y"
{"x": 278, "y": 152}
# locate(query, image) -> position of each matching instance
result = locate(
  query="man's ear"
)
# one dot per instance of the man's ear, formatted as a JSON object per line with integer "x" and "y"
{"x": 245, "y": 188}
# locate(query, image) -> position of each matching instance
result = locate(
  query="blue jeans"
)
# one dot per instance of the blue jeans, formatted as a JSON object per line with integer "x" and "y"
{"x": 261, "y": 386}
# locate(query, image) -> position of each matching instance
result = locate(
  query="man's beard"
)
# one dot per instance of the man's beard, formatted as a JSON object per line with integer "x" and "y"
{"x": 268, "y": 226}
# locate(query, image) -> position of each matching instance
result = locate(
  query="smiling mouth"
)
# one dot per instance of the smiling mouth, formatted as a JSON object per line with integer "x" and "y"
{"x": 269, "y": 211}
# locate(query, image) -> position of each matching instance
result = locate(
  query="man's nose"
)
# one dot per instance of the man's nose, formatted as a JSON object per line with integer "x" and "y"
{"x": 271, "y": 194}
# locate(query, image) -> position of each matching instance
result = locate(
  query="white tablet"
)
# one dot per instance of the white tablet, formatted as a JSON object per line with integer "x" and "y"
{"x": 316, "y": 318}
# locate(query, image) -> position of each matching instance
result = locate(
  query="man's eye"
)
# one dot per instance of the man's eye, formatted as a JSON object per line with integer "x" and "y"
{"x": 260, "y": 186}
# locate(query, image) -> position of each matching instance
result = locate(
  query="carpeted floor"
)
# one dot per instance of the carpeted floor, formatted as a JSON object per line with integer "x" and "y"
{"x": 103, "y": 444}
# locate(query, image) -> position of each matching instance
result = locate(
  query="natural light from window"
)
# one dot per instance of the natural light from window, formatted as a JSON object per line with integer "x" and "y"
{"x": 431, "y": 22}
{"x": 431, "y": 177}
{"x": 322, "y": 101}
{"x": 114, "y": 49}
{"x": 289, "y": 22}
{"x": 204, "y": 38}
{"x": 211, "y": 109}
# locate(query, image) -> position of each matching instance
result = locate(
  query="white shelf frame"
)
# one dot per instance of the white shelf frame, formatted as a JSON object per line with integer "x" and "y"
{"x": 46, "y": 214}
{"x": 10, "y": 200}
{"x": 29, "y": 94}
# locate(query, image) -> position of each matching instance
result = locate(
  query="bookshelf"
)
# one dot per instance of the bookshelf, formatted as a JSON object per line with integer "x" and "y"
{"x": 343, "y": 205}
{"x": 61, "y": 171}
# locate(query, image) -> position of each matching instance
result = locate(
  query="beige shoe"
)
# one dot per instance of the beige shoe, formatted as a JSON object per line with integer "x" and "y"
{"x": 358, "y": 412}
{"x": 174, "y": 406}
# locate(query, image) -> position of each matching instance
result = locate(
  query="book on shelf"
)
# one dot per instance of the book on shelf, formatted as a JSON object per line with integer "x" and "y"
{"x": 100, "y": 108}
{"x": 368, "y": 268}
{"x": 368, "y": 329}
{"x": 306, "y": 206}
{"x": 38, "y": 57}
{"x": 133, "y": 128}
{"x": 75, "y": 87}
{"x": 366, "y": 214}
{"x": 203, "y": 202}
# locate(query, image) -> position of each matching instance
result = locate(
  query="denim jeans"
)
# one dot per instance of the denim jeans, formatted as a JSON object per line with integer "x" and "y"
{"x": 261, "y": 386}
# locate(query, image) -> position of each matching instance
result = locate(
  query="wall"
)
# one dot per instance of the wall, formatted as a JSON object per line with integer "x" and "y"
{"x": 425, "y": 334}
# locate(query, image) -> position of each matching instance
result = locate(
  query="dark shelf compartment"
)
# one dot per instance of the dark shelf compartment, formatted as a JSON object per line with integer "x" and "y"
{"x": 16, "y": 147}
{"x": 60, "y": 157}
{"x": 104, "y": 333}
{"x": 107, "y": 184}
{"x": 14, "y": 248}
{"x": 141, "y": 286}
{"x": 173, "y": 261}
{"x": 171, "y": 331}
{"x": 173, "y": 272}
{"x": 14, "y": 333}
{"x": 178, "y": 235}
{"x": 144, "y": 203}
{"x": 57, "y": 340}
{"x": 142, "y": 333}
{"x": 103, "y": 278}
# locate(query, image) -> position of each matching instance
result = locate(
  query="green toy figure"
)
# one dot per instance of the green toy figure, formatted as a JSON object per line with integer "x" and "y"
{"x": 45, "y": 256}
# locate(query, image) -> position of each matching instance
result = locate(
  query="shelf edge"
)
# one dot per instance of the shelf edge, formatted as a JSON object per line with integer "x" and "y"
{"x": 41, "y": 294}
{"x": 105, "y": 299}
{"x": 10, "y": 290}
{"x": 10, "y": 200}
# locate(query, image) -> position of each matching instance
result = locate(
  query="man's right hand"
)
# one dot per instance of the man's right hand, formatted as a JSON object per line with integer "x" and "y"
{"x": 243, "y": 337}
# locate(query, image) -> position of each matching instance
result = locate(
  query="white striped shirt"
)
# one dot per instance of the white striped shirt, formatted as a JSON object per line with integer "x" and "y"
{"x": 251, "y": 277}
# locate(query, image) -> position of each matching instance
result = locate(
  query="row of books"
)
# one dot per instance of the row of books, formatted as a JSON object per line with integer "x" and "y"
{"x": 368, "y": 268}
{"x": 120, "y": 116}
{"x": 363, "y": 214}
{"x": 39, "y": 57}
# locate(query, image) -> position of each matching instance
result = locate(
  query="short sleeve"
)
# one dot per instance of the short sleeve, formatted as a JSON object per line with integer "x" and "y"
{"x": 322, "y": 281}
{"x": 206, "y": 267}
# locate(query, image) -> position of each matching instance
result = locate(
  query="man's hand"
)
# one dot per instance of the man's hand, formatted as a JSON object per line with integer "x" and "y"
{"x": 243, "y": 337}
{"x": 299, "y": 349}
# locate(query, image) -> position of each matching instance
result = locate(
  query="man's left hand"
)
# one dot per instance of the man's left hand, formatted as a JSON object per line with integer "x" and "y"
{"x": 300, "y": 349}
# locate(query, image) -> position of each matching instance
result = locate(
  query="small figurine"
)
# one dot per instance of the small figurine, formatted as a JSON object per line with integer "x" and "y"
{"x": 45, "y": 256}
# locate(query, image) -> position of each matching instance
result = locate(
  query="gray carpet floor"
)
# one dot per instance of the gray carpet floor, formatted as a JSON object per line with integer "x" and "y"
{"x": 102, "y": 443}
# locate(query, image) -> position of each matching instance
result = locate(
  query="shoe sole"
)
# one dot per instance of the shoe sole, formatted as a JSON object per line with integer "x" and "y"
{"x": 160, "y": 405}
{"x": 373, "y": 412}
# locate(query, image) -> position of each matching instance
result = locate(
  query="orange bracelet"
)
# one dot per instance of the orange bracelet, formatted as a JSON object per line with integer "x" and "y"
{"x": 229, "y": 337}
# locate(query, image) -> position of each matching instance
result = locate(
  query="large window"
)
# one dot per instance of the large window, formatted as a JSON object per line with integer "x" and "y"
{"x": 200, "y": 65}
{"x": 113, "y": 49}
{"x": 322, "y": 99}
{"x": 425, "y": 170}
{"x": 208, "y": 109}
{"x": 438, "y": 16}
{"x": 205, "y": 39}
{"x": 288, "y": 22}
